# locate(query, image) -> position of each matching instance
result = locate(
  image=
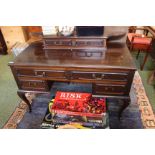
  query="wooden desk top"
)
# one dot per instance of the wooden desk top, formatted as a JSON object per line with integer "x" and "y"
{"x": 117, "y": 56}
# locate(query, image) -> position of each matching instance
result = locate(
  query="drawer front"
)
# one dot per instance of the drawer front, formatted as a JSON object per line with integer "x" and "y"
{"x": 33, "y": 85}
{"x": 58, "y": 42}
{"x": 101, "y": 76}
{"x": 105, "y": 89}
{"x": 40, "y": 73}
{"x": 45, "y": 74}
{"x": 96, "y": 42}
{"x": 25, "y": 72}
{"x": 88, "y": 54}
{"x": 50, "y": 74}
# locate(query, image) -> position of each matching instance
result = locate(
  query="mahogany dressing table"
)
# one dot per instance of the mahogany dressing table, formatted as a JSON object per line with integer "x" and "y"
{"x": 111, "y": 73}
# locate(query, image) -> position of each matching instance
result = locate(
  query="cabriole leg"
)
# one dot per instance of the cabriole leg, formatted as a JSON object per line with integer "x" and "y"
{"x": 23, "y": 97}
{"x": 126, "y": 103}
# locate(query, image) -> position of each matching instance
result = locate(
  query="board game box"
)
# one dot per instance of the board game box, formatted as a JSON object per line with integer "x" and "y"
{"x": 78, "y": 104}
{"x": 72, "y": 107}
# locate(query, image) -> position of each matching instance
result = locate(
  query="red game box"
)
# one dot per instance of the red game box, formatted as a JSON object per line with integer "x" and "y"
{"x": 79, "y": 104}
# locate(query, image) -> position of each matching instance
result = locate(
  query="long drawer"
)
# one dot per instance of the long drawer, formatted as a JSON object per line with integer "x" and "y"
{"x": 117, "y": 76}
{"x": 57, "y": 42}
{"x": 90, "y": 42}
{"x": 33, "y": 85}
{"x": 109, "y": 89}
{"x": 73, "y": 75}
{"x": 40, "y": 73}
{"x": 72, "y": 42}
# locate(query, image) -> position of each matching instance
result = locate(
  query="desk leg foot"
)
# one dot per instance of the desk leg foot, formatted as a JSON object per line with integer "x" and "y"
{"x": 23, "y": 97}
{"x": 138, "y": 54}
{"x": 126, "y": 103}
{"x": 146, "y": 56}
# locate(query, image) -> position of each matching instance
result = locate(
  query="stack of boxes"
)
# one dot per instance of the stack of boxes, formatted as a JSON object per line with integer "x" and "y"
{"x": 78, "y": 108}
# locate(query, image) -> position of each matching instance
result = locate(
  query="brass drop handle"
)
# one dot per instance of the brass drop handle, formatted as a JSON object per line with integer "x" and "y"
{"x": 88, "y": 54}
{"x": 102, "y": 76}
{"x": 106, "y": 88}
{"x": 74, "y": 43}
{"x": 34, "y": 84}
{"x": 40, "y": 75}
{"x": 98, "y": 78}
{"x": 68, "y": 75}
{"x": 43, "y": 74}
{"x": 30, "y": 84}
